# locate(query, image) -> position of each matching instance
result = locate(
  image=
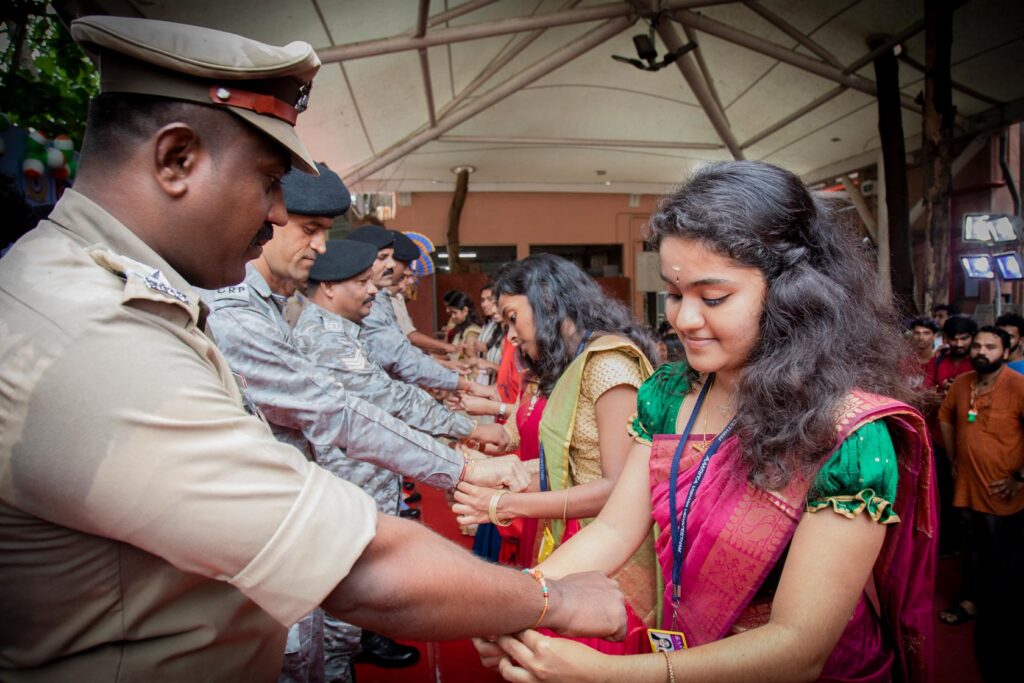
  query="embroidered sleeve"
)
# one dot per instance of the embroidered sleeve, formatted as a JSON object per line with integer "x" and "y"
{"x": 608, "y": 369}
{"x": 860, "y": 477}
{"x": 658, "y": 401}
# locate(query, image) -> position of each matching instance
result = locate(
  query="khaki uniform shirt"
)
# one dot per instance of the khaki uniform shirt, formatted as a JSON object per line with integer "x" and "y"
{"x": 150, "y": 528}
{"x": 402, "y": 316}
{"x": 394, "y": 352}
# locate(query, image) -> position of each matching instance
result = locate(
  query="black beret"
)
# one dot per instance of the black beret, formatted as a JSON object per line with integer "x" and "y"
{"x": 372, "y": 234}
{"x": 405, "y": 249}
{"x": 315, "y": 195}
{"x": 342, "y": 260}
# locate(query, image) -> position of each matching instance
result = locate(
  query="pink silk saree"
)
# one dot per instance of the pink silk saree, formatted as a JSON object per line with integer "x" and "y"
{"x": 737, "y": 533}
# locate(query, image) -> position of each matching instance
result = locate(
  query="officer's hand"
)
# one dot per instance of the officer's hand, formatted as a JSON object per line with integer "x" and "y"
{"x": 492, "y": 433}
{"x": 502, "y": 471}
{"x": 587, "y": 604}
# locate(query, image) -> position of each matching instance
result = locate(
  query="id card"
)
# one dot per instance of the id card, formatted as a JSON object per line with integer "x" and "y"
{"x": 666, "y": 641}
{"x": 547, "y": 545}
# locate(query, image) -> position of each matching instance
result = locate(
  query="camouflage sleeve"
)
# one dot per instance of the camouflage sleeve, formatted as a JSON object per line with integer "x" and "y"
{"x": 293, "y": 393}
{"x": 411, "y": 405}
{"x": 393, "y": 351}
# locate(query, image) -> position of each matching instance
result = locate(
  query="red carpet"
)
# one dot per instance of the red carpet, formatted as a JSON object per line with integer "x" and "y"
{"x": 453, "y": 661}
{"x": 457, "y": 662}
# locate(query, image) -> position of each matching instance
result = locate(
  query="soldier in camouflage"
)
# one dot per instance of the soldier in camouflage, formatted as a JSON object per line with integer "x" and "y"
{"x": 340, "y": 291}
{"x": 304, "y": 405}
{"x": 383, "y": 336}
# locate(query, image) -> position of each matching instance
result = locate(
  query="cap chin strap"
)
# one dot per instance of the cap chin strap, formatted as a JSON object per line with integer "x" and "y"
{"x": 257, "y": 102}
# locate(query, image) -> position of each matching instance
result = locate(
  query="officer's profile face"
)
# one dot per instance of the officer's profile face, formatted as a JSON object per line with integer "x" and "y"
{"x": 295, "y": 246}
{"x": 225, "y": 198}
{"x": 352, "y": 298}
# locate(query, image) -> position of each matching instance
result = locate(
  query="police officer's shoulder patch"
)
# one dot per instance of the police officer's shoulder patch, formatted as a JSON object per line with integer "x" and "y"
{"x": 142, "y": 281}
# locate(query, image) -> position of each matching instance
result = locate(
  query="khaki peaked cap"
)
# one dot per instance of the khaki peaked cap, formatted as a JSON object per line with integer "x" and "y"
{"x": 266, "y": 85}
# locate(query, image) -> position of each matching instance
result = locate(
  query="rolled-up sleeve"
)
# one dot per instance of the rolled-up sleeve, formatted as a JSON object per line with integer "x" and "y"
{"x": 154, "y": 450}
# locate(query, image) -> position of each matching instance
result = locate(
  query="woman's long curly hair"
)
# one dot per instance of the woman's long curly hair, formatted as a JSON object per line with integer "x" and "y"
{"x": 826, "y": 327}
{"x": 558, "y": 291}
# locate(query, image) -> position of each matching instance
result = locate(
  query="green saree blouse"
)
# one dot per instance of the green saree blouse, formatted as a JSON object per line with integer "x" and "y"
{"x": 859, "y": 477}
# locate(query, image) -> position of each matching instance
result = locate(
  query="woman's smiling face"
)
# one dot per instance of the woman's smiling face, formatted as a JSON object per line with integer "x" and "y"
{"x": 713, "y": 304}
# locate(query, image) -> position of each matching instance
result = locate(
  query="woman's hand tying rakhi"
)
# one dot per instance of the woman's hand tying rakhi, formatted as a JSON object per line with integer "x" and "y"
{"x": 472, "y": 502}
{"x": 529, "y": 657}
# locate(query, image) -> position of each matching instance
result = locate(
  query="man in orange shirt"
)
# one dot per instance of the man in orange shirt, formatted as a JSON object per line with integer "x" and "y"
{"x": 982, "y": 422}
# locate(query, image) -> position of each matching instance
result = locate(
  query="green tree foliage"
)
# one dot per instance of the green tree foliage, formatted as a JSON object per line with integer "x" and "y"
{"x": 46, "y": 80}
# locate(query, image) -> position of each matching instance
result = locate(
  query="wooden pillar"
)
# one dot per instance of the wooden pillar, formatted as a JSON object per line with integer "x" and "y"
{"x": 894, "y": 155}
{"x": 454, "y": 216}
{"x": 937, "y": 149}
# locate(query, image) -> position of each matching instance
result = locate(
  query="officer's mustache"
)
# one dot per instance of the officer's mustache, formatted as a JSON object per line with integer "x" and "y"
{"x": 389, "y": 271}
{"x": 369, "y": 300}
{"x": 265, "y": 234}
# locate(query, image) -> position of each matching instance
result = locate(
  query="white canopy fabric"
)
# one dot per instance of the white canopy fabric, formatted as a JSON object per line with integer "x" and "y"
{"x": 594, "y": 124}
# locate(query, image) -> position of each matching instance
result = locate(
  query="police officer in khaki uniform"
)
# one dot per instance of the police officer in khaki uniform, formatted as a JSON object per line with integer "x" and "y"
{"x": 150, "y": 527}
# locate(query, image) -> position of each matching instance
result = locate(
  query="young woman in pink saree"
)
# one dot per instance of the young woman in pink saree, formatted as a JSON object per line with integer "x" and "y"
{"x": 790, "y": 485}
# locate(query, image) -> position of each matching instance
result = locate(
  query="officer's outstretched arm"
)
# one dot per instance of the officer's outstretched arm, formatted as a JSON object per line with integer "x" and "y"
{"x": 412, "y": 583}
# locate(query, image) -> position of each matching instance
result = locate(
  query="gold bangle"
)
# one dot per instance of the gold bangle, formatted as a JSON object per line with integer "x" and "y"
{"x": 668, "y": 664}
{"x": 492, "y": 510}
{"x": 565, "y": 505}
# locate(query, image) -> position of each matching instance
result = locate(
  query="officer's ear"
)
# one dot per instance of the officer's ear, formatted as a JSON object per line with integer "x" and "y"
{"x": 176, "y": 155}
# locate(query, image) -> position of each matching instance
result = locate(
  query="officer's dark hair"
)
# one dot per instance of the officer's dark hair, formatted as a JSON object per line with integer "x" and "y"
{"x": 118, "y": 122}
{"x": 1003, "y": 335}
{"x": 959, "y": 324}
{"x": 924, "y": 321}
{"x": 1012, "y": 320}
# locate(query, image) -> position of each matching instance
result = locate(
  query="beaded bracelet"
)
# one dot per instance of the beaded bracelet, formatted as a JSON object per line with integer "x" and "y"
{"x": 538, "y": 576}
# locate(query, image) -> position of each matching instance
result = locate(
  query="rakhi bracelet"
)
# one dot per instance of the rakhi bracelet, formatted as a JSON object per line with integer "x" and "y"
{"x": 467, "y": 468}
{"x": 671, "y": 671}
{"x": 538, "y": 576}
{"x": 492, "y": 510}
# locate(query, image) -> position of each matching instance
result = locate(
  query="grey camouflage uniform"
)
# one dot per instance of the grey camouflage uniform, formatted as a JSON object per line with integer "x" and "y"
{"x": 307, "y": 408}
{"x": 332, "y": 343}
{"x": 394, "y": 352}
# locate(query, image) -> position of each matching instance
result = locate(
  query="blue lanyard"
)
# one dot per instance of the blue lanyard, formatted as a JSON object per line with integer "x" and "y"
{"x": 679, "y": 522}
{"x": 543, "y": 460}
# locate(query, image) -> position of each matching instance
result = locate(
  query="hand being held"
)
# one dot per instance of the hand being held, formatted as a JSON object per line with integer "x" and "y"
{"x": 471, "y": 503}
{"x": 503, "y": 471}
{"x": 529, "y": 656}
